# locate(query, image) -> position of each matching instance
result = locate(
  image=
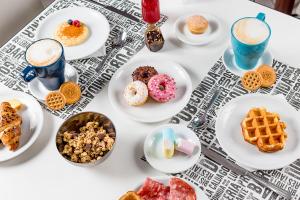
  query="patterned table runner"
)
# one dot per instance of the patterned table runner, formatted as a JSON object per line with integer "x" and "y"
{"x": 218, "y": 182}
{"x": 12, "y": 59}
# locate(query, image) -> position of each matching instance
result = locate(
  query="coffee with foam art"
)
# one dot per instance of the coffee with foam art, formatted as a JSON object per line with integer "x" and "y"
{"x": 251, "y": 31}
{"x": 43, "y": 53}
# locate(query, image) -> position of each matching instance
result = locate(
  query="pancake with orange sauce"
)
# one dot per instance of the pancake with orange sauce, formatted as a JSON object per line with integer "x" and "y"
{"x": 70, "y": 35}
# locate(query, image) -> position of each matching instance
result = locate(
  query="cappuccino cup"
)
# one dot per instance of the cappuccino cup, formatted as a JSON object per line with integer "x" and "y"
{"x": 249, "y": 38}
{"x": 46, "y": 62}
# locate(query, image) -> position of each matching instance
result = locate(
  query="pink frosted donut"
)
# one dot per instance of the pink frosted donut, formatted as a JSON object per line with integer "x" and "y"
{"x": 162, "y": 88}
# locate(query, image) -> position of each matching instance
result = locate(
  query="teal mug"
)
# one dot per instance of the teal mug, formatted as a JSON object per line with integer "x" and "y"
{"x": 249, "y": 38}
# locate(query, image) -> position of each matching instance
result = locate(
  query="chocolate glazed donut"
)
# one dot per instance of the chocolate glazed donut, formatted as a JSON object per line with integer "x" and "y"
{"x": 144, "y": 74}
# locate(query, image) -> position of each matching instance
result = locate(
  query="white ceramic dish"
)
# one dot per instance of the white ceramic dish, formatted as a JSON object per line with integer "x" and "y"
{"x": 200, "y": 195}
{"x": 179, "y": 162}
{"x": 213, "y": 31}
{"x": 230, "y": 64}
{"x": 95, "y": 21}
{"x": 229, "y": 133}
{"x": 32, "y": 122}
{"x": 39, "y": 91}
{"x": 151, "y": 111}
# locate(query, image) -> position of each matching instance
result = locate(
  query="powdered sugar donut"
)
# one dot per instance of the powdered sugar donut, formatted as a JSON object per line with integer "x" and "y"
{"x": 162, "y": 88}
{"x": 136, "y": 93}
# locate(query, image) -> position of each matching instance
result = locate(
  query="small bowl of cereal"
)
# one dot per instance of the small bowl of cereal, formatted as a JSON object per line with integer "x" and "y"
{"x": 86, "y": 139}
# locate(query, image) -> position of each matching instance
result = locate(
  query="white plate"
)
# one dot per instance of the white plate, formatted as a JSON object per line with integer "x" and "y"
{"x": 229, "y": 133}
{"x": 200, "y": 195}
{"x": 230, "y": 64}
{"x": 32, "y": 122}
{"x": 96, "y": 22}
{"x": 39, "y": 91}
{"x": 213, "y": 31}
{"x": 151, "y": 111}
{"x": 179, "y": 162}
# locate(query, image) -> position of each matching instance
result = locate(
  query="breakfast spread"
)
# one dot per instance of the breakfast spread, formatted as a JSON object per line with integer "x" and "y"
{"x": 197, "y": 24}
{"x": 10, "y": 126}
{"x": 144, "y": 74}
{"x": 264, "y": 76}
{"x": 88, "y": 144}
{"x": 154, "y": 190}
{"x": 136, "y": 93}
{"x": 264, "y": 129}
{"x": 72, "y": 32}
{"x": 148, "y": 82}
{"x": 55, "y": 100}
{"x": 71, "y": 91}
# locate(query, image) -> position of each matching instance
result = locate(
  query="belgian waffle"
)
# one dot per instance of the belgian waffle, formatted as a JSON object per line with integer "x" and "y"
{"x": 264, "y": 129}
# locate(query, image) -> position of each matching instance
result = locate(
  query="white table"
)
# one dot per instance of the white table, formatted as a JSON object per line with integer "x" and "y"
{"x": 40, "y": 173}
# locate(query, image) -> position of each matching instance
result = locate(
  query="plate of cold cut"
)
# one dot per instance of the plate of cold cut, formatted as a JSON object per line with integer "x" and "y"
{"x": 165, "y": 188}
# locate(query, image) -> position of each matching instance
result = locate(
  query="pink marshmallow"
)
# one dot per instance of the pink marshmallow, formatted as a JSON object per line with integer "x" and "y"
{"x": 185, "y": 146}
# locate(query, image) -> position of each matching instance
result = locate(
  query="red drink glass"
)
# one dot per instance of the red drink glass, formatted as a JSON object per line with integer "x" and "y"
{"x": 150, "y": 11}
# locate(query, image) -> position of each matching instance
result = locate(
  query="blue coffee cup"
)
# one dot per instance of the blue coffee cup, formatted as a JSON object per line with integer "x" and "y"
{"x": 246, "y": 54}
{"x": 49, "y": 72}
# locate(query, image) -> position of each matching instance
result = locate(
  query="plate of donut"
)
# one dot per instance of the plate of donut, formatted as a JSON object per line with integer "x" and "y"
{"x": 150, "y": 90}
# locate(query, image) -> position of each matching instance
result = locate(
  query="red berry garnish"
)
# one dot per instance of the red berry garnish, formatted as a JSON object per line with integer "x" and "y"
{"x": 76, "y": 23}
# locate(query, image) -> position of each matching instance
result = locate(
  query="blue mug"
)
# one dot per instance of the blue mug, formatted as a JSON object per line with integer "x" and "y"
{"x": 247, "y": 55}
{"x": 49, "y": 71}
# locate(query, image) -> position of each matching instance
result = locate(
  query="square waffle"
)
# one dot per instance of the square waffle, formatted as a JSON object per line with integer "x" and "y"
{"x": 264, "y": 129}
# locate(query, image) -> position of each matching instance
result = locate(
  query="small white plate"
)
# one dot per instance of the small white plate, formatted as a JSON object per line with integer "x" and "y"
{"x": 153, "y": 150}
{"x": 200, "y": 195}
{"x": 151, "y": 111}
{"x": 213, "y": 31}
{"x": 229, "y": 132}
{"x": 32, "y": 122}
{"x": 230, "y": 64}
{"x": 39, "y": 91}
{"x": 95, "y": 21}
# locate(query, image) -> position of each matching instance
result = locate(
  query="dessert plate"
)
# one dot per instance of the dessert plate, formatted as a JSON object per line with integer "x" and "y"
{"x": 153, "y": 150}
{"x": 95, "y": 21}
{"x": 165, "y": 180}
{"x": 213, "y": 31}
{"x": 229, "y": 132}
{"x": 39, "y": 91}
{"x": 32, "y": 122}
{"x": 151, "y": 111}
{"x": 230, "y": 64}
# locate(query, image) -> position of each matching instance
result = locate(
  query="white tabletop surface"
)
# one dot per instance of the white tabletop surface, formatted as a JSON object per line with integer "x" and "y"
{"x": 40, "y": 173}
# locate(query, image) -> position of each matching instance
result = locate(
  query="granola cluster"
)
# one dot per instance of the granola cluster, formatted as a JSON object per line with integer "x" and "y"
{"x": 89, "y": 144}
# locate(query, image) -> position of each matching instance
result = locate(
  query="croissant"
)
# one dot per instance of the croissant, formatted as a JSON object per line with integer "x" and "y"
{"x": 10, "y": 126}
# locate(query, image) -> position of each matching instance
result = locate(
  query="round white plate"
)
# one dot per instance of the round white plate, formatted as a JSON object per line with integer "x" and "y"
{"x": 39, "y": 91}
{"x": 151, "y": 111}
{"x": 200, "y": 195}
{"x": 32, "y": 122}
{"x": 230, "y": 64}
{"x": 229, "y": 132}
{"x": 153, "y": 150}
{"x": 95, "y": 21}
{"x": 213, "y": 31}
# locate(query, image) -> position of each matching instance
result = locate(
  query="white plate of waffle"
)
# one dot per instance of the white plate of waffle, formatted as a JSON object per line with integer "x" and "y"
{"x": 28, "y": 115}
{"x": 266, "y": 131}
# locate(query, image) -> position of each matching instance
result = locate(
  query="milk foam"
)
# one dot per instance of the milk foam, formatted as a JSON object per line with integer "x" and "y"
{"x": 43, "y": 52}
{"x": 251, "y": 31}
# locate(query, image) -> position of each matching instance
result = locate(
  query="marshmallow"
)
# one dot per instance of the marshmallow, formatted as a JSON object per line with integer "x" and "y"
{"x": 168, "y": 142}
{"x": 185, "y": 146}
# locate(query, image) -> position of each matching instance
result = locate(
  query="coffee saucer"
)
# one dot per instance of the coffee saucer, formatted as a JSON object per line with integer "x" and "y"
{"x": 39, "y": 91}
{"x": 230, "y": 64}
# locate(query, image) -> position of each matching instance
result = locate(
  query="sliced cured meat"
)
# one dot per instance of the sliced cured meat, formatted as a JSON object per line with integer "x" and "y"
{"x": 153, "y": 190}
{"x": 180, "y": 190}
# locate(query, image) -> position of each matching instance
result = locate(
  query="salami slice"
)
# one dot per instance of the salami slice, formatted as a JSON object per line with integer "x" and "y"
{"x": 153, "y": 190}
{"x": 180, "y": 190}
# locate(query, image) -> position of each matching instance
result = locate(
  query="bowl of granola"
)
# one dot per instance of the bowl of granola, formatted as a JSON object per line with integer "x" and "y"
{"x": 86, "y": 139}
